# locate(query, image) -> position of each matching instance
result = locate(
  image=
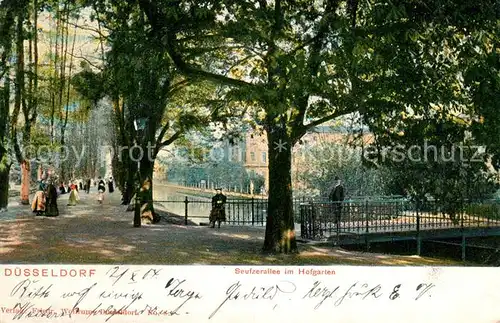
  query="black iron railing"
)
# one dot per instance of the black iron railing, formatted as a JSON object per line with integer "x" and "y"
{"x": 317, "y": 217}
{"x": 239, "y": 211}
{"x": 318, "y": 220}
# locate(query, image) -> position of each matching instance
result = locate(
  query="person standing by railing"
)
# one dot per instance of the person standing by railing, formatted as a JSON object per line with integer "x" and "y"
{"x": 218, "y": 212}
{"x": 337, "y": 196}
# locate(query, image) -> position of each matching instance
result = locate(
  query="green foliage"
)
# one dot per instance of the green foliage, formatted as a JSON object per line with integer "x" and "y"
{"x": 483, "y": 77}
{"x": 432, "y": 158}
{"x": 4, "y": 165}
{"x": 257, "y": 179}
{"x": 487, "y": 210}
{"x": 226, "y": 174}
{"x": 303, "y": 63}
{"x": 316, "y": 167}
{"x": 88, "y": 84}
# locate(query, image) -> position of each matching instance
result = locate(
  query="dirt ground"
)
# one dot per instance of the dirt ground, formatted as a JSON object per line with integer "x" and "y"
{"x": 90, "y": 233}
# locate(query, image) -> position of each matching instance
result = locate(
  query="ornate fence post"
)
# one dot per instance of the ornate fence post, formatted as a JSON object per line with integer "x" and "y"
{"x": 337, "y": 225}
{"x": 253, "y": 211}
{"x": 137, "y": 211}
{"x": 367, "y": 229}
{"x": 419, "y": 239}
{"x": 313, "y": 219}
{"x": 305, "y": 221}
{"x": 462, "y": 215}
{"x": 186, "y": 202}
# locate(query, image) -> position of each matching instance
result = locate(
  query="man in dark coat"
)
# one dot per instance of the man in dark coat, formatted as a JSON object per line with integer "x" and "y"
{"x": 337, "y": 197}
{"x": 218, "y": 213}
{"x": 127, "y": 194}
{"x": 111, "y": 185}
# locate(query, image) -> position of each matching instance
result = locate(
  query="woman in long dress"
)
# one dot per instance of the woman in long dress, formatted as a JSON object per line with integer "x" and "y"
{"x": 38, "y": 204}
{"x": 52, "y": 209}
{"x": 73, "y": 196}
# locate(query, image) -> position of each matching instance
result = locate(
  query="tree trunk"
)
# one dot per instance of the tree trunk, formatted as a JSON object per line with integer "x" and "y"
{"x": 34, "y": 111}
{"x": 129, "y": 187}
{"x": 55, "y": 78}
{"x": 6, "y": 43}
{"x": 148, "y": 214}
{"x": 280, "y": 226}
{"x": 19, "y": 92}
{"x": 4, "y": 182}
{"x": 68, "y": 89}
{"x": 25, "y": 182}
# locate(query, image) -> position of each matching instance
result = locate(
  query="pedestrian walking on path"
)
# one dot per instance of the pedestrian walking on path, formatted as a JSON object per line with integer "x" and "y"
{"x": 101, "y": 188}
{"x": 74, "y": 198}
{"x": 111, "y": 185}
{"x": 38, "y": 204}
{"x": 52, "y": 209}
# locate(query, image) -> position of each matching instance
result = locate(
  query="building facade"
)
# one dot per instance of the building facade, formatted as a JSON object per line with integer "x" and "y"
{"x": 255, "y": 148}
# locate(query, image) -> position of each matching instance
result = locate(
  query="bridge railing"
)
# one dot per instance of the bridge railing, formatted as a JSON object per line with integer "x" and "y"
{"x": 321, "y": 220}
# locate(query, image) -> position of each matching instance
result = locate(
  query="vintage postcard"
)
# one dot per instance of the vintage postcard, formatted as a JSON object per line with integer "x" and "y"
{"x": 252, "y": 160}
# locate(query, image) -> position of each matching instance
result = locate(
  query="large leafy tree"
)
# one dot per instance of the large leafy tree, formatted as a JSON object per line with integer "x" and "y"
{"x": 18, "y": 72}
{"x": 483, "y": 78}
{"x": 448, "y": 115}
{"x": 301, "y": 63}
{"x": 23, "y": 77}
{"x": 141, "y": 82}
{"x": 434, "y": 159}
{"x": 6, "y": 34}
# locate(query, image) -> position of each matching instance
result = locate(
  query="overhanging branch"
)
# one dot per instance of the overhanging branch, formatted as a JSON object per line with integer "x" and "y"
{"x": 332, "y": 116}
{"x": 177, "y": 86}
{"x": 191, "y": 71}
{"x": 87, "y": 28}
{"x": 314, "y": 60}
{"x": 160, "y": 28}
{"x": 167, "y": 142}
{"x": 162, "y": 134}
{"x": 86, "y": 60}
{"x": 301, "y": 130}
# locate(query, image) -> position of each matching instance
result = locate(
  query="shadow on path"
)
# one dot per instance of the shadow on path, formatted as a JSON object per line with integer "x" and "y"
{"x": 93, "y": 233}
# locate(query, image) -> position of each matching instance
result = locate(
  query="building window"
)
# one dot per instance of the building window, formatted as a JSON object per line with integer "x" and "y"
{"x": 252, "y": 156}
{"x": 264, "y": 157}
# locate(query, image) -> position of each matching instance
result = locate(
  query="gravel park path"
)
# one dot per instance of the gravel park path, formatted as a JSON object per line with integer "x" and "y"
{"x": 90, "y": 233}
